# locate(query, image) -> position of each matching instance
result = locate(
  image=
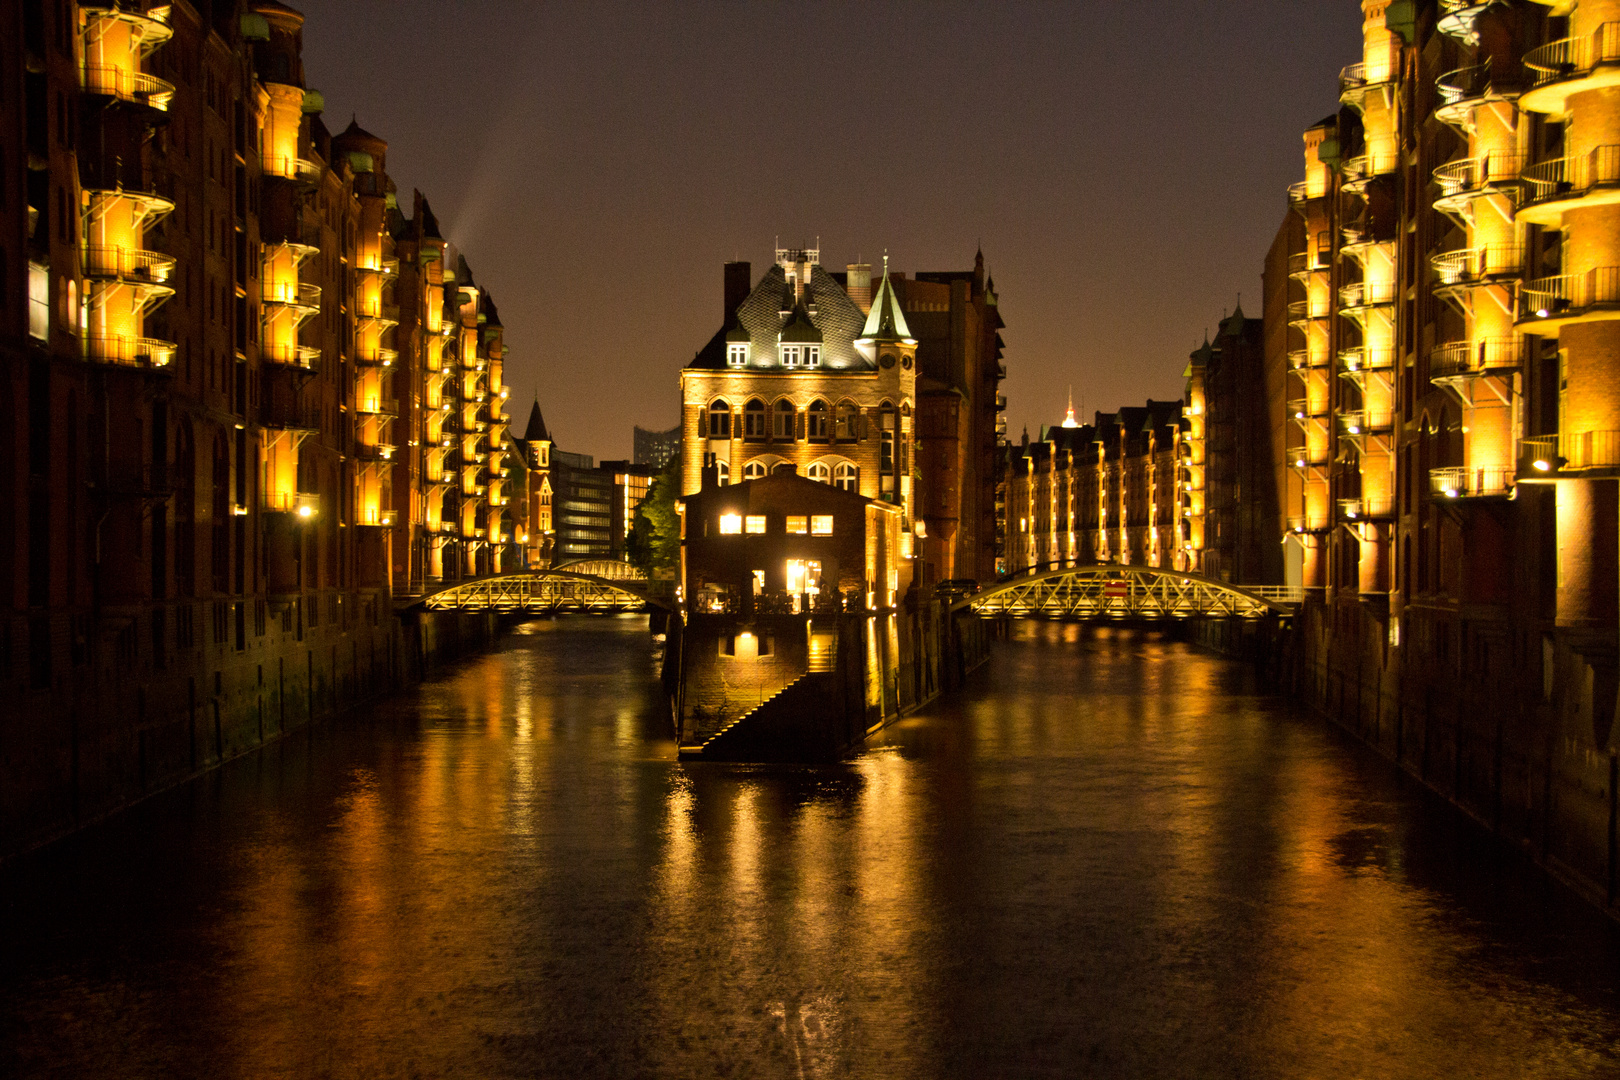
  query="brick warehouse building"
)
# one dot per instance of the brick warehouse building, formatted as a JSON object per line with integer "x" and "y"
{"x": 249, "y": 402}
{"x": 814, "y": 369}
{"x": 1453, "y": 437}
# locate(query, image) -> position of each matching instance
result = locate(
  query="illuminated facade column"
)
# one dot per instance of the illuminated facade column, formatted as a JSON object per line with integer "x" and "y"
{"x": 123, "y": 279}
{"x": 1309, "y": 398}
{"x": 1482, "y": 367}
{"x": 1191, "y": 451}
{"x": 1577, "y": 92}
{"x": 1366, "y": 353}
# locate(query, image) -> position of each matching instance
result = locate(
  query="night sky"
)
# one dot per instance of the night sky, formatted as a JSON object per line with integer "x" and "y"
{"x": 1124, "y": 166}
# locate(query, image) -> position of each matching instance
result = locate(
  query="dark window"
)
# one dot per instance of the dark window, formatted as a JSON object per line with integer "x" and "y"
{"x": 784, "y": 419}
{"x": 719, "y": 419}
{"x": 754, "y": 419}
{"x": 816, "y": 426}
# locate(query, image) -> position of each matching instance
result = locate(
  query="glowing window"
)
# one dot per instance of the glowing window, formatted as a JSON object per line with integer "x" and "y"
{"x": 798, "y": 524}
{"x": 821, "y": 524}
{"x": 730, "y": 524}
{"x": 737, "y": 353}
{"x": 756, "y": 524}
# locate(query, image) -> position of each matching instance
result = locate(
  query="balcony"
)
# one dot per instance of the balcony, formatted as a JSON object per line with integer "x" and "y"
{"x": 1309, "y": 523}
{"x": 1491, "y": 264}
{"x": 378, "y": 357}
{"x": 291, "y": 294}
{"x": 1301, "y": 409}
{"x": 1368, "y": 508}
{"x": 1543, "y": 457}
{"x": 372, "y": 405}
{"x": 1363, "y": 298}
{"x": 1546, "y": 304}
{"x": 1572, "y": 66}
{"x": 1478, "y": 482}
{"x": 1456, "y": 359}
{"x": 300, "y": 172}
{"x": 1305, "y": 360}
{"x": 1305, "y": 459}
{"x": 374, "y": 516}
{"x": 302, "y": 503}
{"x": 1590, "y": 179}
{"x": 133, "y": 352}
{"x": 375, "y": 452}
{"x": 1466, "y": 179}
{"x": 306, "y": 357}
{"x": 1301, "y": 312}
{"x": 1361, "y": 358}
{"x": 1358, "y": 80}
{"x": 388, "y": 268}
{"x": 1304, "y": 191}
{"x": 123, "y": 84}
{"x": 1466, "y": 89}
{"x": 1362, "y": 169}
{"x": 130, "y": 265}
{"x": 289, "y": 414}
{"x": 1457, "y": 19}
{"x": 1356, "y": 423}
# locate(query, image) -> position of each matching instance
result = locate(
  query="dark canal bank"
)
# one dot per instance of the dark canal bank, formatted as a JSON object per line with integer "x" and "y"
{"x": 1108, "y": 856}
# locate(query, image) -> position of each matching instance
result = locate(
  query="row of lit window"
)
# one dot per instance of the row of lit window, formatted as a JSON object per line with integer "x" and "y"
{"x": 779, "y": 421}
{"x": 791, "y": 355}
{"x": 796, "y": 524}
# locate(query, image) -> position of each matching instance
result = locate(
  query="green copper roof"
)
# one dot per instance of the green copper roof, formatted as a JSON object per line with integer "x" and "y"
{"x": 886, "y": 322}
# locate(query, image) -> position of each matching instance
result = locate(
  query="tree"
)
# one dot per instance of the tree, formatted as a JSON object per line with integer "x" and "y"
{"x": 655, "y": 533}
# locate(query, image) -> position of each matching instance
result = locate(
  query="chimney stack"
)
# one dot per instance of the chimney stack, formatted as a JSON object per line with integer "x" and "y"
{"x": 739, "y": 283}
{"x": 859, "y": 285}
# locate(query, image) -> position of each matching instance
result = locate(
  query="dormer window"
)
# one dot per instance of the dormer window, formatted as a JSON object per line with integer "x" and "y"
{"x": 812, "y": 356}
{"x": 792, "y": 355}
{"x": 737, "y": 354}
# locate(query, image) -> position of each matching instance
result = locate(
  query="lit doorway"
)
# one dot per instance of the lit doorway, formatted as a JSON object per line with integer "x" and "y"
{"x": 803, "y": 582}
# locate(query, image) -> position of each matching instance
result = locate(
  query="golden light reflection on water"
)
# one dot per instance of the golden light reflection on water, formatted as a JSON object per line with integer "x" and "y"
{"x": 1107, "y": 858}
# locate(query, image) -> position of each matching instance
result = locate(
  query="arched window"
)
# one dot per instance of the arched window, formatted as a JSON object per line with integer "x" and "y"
{"x": 724, "y": 473}
{"x": 819, "y": 472}
{"x": 719, "y": 419}
{"x": 848, "y": 427}
{"x": 783, "y": 428}
{"x": 847, "y": 477}
{"x": 816, "y": 423}
{"x": 754, "y": 470}
{"x": 754, "y": 419}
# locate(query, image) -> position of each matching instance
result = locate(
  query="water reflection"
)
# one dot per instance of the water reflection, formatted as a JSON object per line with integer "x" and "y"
{"x": 1110, "y": 857}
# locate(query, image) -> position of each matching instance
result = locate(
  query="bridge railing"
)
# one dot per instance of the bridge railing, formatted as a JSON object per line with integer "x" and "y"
{"x": 1111, "y": 591}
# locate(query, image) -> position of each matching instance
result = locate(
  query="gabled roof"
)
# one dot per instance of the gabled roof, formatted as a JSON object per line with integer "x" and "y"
{"x": 828, "y": 309}
{"x": 886, "y": 322}
{"x": 799, "y": 328}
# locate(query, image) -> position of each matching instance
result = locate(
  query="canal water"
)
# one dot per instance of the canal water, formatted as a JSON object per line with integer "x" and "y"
{"x": 1108, "y": 857}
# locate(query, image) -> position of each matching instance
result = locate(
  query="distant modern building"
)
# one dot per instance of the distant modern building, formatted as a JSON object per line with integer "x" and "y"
{"x": 655, "y": 448}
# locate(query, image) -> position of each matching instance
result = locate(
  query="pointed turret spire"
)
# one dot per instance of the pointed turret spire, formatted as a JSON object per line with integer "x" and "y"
{"x": 886, "y": 322}
{"x": 1068, "y": 419}
{"x": 536, "y": 431}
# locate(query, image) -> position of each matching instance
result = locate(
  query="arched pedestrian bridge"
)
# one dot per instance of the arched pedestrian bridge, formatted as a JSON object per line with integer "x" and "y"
{"x": 547, "y": 592}
{"x": 1106, "y": 592}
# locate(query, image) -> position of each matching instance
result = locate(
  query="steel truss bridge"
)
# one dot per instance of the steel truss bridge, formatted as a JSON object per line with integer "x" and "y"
{"x": 543, "y": 592}
{"x": 1109, "y": 592}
